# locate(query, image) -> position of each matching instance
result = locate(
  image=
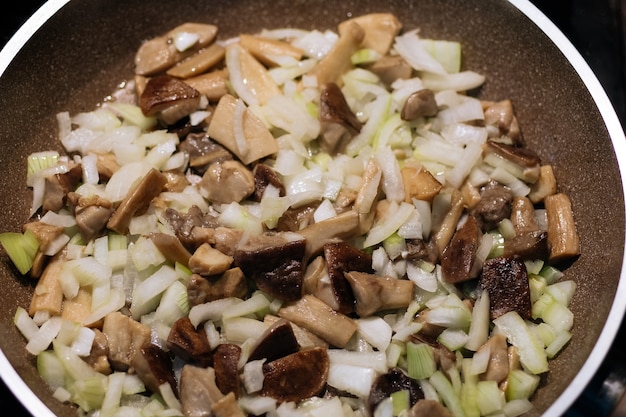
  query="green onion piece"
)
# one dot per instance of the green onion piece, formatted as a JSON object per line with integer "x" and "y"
{"x": 498, "y": 245}
{"x": 551, "y": 274}
{"x": 521, "y": 384}
{"x": 490, "y": 398}
{"x": 400, "y": 401}
{"x": 506, "y": 228}
{"x": 21, "y": 248}
{"x": 363, "y": 56}
{"x": 446, "y": 392}
{"x": 39, "y": 161}
{"x": 538, "y": 286}
{"x": 534, "y": 267}
{"x": 421, "y": 360}
{"x": 559, "y": 342}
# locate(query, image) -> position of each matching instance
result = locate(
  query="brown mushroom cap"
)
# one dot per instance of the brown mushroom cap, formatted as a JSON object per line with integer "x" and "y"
{"x": 277, "y": 341}
{"x": 297, "y": 376}
{"x": 164, "y": 91}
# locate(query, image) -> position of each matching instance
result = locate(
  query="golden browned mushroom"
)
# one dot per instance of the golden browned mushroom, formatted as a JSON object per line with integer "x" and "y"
{"x": 314, "y": 315}
{"x": 212, "y": 84}
{"x": 154, "y": 367}
{"x": 305, "y": 338}
{"x": 267, "y": 50}
{"x": 225, "y": 362}
{"x": 48, "y": 294}
{"x": 380, "y": 30}
{"x": 126, "y": 337}
{"x": 390, "y": 68}
{"x": 338, "y": 123}
{"x": 232, "y": 283}
{"x": 227, "y": 182}
{"x": 338, "y": 60}
{"x": 524, "y": 159}
{"x": 498, "y": 365}
{"x": 227, "y": 407}
{"x": 170, "y": 247}
{"x": 275, "y": 262}
{"x": 198, "y": 390}
{"x": 198, "y": 63}
{"x": 445, "y": 230}
{"x": 137, "y": 200}
{"x": 501, "y": 116}
{"x": 277, "y": 341}
{"x": 340, "y": 227}
{"x": 459, "y": 256}
{"x": 160, "y": 53}
{"x": 207, "y": 261}
{"x": 544, "y": 186}
{"x": 259, "y": 141}
{"x": 419, "y": 183}
{"x": 297, "y": 376}
{"x": 421, "y": 103}
{"x": 375, "y": 293}
{"x": 169, "y": 98}
{"x": 562, "y": 234}
{"x": 429, "y": 408}
{"x": 189, "y": 343}
{"x": 92, "y": 214}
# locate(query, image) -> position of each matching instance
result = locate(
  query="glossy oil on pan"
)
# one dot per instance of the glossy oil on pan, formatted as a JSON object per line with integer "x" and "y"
{"x": 68, "y": 57}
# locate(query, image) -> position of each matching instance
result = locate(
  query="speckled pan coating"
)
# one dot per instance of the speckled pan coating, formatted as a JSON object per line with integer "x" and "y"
{"x": 84, "y": 51}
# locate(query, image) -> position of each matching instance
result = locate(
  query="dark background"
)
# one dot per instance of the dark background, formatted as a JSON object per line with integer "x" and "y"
{"x": 597, "y": 29}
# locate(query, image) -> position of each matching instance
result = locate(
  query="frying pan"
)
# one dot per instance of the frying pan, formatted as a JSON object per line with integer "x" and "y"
{"x": 70, "y": 55}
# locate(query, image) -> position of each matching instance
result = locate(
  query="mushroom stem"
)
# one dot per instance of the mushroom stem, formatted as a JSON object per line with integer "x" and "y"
{"x": 562, "y": 234}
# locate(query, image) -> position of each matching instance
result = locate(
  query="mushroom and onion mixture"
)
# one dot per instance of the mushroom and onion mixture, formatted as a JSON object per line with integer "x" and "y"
{"x": 296, "y": 223}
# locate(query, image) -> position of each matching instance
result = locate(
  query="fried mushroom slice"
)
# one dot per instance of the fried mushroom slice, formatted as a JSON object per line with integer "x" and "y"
{"x": 506, "y": 281}
{"x": 297, "y": 376}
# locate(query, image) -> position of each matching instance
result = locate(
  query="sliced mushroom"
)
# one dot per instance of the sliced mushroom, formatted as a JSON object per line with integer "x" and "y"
{"x": 160, "y": 53}
{"x": 421, "y": 103}
{"x": 98, "y": 357}
{"x": 44, "y": 232}
{"x": 304, "y": 338}
{"x": 275, "y": 262}
{"x": 259, "y": 140}
{"x": 419, "y": 183}
{"x": 126, "y": 337}
{"x": 48, "y": 295}
{"x": 524, "y": 159}
{"x": 58, "y": 186}
{"x": 374, "y": 293}
{"x": 227, "y": 182}
{"x": 203, "y": 151}
{"x": 429, "y": 408}
{"x": 227, "y": 407}
{"x": 494, "y": 205}
{"x": 390, "y": 68}
{"x": 198, "y": 391}
{"x": 523, "y": 215}
{"x": 207, "y": 261}
{"x": 380, "y": 30}
{"x": 529, "y": 245}
{"x": 164, "y": 92}
{"x": 444, "y": 230}
{"x": 343, "y": 226}
{"x": 137, "y": 200}
{"x": 189, "y": 343}
{"x": 563, "y": 236}
{"x": 502, "y": 117}
{"x": 544, "y": 186}
{"x": 314, "y": 315}
{"x": 184, "y": 224}
{"x": 393, "y": 381}
{"x": 78, "y": 308}
{"x": 232, "y": 283}
{"x": 277, "y": 341}
{"x": 506, "y": 281}
{"x": 340, "y": 259}
{"x": 459, "y": 256}
{"x": 92, "y": 214}
{"x": 154, "y": 367}
{"x": 267, "y": 50}
{"x": 338, "y": 60}
{"x": 264, "y": 175}
{"x": 297, "y": 376}
{"x": 338, "y": 123}
{"x": 225, "y": 363}
{"x": 170, "y": 247}
{"x": 498, "y": 366}
{"x": 107, "y": 165}
{"x": 213, "y": 85}
{"x": 198, "y": 63}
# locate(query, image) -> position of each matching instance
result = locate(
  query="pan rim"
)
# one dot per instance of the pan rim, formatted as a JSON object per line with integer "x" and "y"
{"x": 615, "y": 131}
